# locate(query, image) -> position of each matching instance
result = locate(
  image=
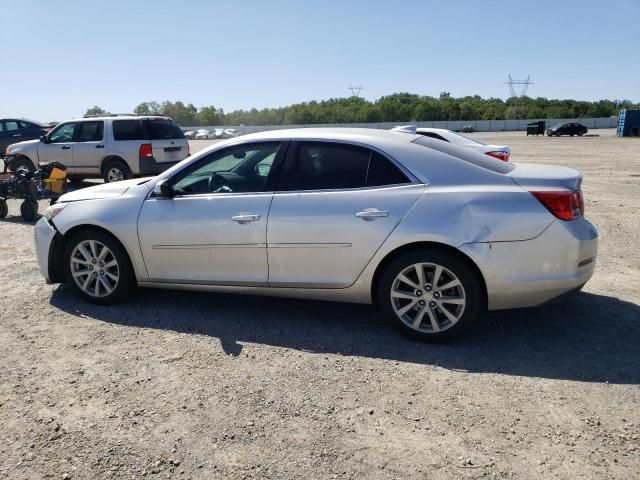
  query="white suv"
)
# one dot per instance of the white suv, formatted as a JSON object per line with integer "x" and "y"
{"x": 114, "y": 147}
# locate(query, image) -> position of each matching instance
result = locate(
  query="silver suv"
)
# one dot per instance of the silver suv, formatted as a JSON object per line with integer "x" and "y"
{"x": 114, "y": 147}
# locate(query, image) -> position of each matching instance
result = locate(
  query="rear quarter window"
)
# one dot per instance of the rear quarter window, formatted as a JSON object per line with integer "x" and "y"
{"x": 128, "y": 130}
{"x": 163, "y": 129}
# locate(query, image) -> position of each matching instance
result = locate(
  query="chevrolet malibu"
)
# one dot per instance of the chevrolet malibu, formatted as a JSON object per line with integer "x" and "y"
{"x": 432, "y": 233}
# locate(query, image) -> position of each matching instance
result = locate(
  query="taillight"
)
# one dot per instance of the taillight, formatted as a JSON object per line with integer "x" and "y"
{"x": 564, "y": 205}
{"x": 145, "y": 151}
{"x": 500, "y": 155}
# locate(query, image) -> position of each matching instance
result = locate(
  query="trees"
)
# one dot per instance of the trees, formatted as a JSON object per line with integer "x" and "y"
{"x": 399, "y": 107}
{"x": 95, "y": 111}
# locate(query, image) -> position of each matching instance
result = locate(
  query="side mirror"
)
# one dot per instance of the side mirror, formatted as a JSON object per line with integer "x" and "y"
{"x": 44, "y": 139}
{"x": 163, "y": 189}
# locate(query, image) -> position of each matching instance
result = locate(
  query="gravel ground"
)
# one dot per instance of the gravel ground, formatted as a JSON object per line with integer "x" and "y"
{"x": 193, "y": 385}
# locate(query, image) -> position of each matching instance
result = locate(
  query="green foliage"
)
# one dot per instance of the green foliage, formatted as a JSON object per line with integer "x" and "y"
{"x": 399, "y": 107}
{"x": 95, "y": 110}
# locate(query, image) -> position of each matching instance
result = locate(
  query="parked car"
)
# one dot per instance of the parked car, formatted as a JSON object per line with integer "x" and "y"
{"x": 218, "y": 133}
{"x": 13, "y": 130}
{"x": 203, "y": 134}
{"x": 570, "y": 129}
{"x": 190, "y": 134}
{"x": 468, "y": 129}
{"x": 501, "y": 152}
{"x": 230, "y": 132}
{"x": 354, "y": 215}
{"x": 115, "y": 147}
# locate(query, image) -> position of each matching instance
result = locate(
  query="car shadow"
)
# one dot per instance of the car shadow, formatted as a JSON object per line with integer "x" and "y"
{"x": 585, "y": 337}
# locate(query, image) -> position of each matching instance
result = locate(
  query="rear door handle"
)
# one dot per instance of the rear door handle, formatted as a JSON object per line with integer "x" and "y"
{"x": 372, "y": 213}
{"x": 66, "y": 147}
{"x": 99, "y": 146}
{"x": 245, "y": 218}
{"x": 16, "y": 135}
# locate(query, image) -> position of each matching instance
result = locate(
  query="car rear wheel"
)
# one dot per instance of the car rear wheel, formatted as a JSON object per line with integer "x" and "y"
{"x": 115, "y": 171}
{"x": 98, "y": 267}
{"x": 430, "y": 296}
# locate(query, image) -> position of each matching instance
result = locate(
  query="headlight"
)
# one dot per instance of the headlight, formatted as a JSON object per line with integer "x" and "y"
{"x": 8, "y": 150}
{"x": 53, "y": 210}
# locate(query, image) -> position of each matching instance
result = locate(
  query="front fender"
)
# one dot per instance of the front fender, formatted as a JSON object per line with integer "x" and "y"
{"x": 118, "y": 216}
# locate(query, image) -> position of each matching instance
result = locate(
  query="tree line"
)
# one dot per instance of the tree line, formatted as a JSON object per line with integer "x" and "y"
{"x": 399, "y": 107}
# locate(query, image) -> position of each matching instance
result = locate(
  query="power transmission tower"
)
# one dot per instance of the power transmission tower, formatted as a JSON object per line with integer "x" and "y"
{"x": 355, "y": 90}
{"x": 515, "y": 109}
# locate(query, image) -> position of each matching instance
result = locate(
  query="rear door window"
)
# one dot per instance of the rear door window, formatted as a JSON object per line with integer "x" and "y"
{"x": 128, "y": 130}
{"x": 330, "y": 166}
{"x": 163, "y": 129}
{"x": 11, "y": 125}
{"x": 90, "y": 131}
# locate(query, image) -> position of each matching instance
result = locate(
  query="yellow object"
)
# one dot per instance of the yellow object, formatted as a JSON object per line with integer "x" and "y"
{"x": 56, "y": 180}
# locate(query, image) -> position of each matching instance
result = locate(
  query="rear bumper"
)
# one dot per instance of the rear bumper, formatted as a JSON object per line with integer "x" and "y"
{"x": 149, "y": 166}
{"x": 532, "y": 272}
{"x": 44, "y": 234}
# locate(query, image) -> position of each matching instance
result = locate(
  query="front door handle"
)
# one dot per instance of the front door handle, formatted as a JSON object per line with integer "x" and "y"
{"x": 16, "y": 135}
{"x": 245, "y": 217}
{"x": 66, "y": 147}
{"x": 372, "y": 213}
{"x": 100, "y": 146}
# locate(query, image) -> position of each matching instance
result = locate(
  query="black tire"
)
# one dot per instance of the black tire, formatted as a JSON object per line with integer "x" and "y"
{"x": 29, "y": 210}
{"x": 115, "y": 168}
{"x": 22, "y": 163}
{"x": 126, "y": 284}
{"x": 4, "y": 208}
{"x": 571, "y": 134}
{"x": 455, "y": 264}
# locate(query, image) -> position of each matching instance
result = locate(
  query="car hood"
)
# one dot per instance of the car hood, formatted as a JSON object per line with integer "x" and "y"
{"x": 27, "y": 145}
{"x": 107, "y": 190}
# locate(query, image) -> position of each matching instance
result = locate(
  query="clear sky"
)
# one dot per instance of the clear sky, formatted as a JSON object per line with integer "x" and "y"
{"x": 59, "y": 58}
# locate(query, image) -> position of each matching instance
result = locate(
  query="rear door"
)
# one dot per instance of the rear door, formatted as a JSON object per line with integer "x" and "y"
{"x": 167, "y": 140}
{"x": 335, "y": 207}
{"x": 88, "y": 147}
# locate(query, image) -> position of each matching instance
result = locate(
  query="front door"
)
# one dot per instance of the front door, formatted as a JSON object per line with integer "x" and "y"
{"x": 59, "y": 147}
{"x": 213, "y": 230}
{"x": 336, "y": 207}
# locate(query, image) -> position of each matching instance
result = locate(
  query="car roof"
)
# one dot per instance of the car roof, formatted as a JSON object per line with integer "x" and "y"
{"x": 117, "y": 117}
{"x": 408, "y": 148}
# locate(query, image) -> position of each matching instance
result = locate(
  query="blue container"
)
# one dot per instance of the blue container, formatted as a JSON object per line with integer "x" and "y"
{"x": 628, "y": 123}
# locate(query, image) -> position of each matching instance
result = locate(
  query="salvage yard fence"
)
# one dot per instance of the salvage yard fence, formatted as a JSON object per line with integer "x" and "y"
{"x": 479, "y": 125}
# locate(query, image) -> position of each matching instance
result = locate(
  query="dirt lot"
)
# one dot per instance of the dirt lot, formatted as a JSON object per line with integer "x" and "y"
{"x": 188, "y": 385}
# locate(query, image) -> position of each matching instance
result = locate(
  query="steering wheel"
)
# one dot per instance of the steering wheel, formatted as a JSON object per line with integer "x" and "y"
{"x": 218, "y": 184}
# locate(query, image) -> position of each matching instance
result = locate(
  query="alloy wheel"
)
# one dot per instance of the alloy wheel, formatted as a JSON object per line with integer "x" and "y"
{"x": 428, "y": 297}
{"x": 94, "y": 268}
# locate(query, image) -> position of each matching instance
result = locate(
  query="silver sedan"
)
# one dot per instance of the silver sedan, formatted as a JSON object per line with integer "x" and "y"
{"x": 432, "y": 233}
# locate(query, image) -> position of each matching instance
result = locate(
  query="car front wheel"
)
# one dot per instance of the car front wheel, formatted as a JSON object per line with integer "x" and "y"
{"x": 431, "y": 296}
{"x": 98, "y": 267}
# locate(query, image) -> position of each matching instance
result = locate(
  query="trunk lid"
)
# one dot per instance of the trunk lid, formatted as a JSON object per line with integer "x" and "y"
{"x": 167, "y": 140}
{"x": 535, "y": 177}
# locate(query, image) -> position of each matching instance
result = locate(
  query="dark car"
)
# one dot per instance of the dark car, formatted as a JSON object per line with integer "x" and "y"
{"x": 570, "y": 129}
{"x": 14, "y": 130}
